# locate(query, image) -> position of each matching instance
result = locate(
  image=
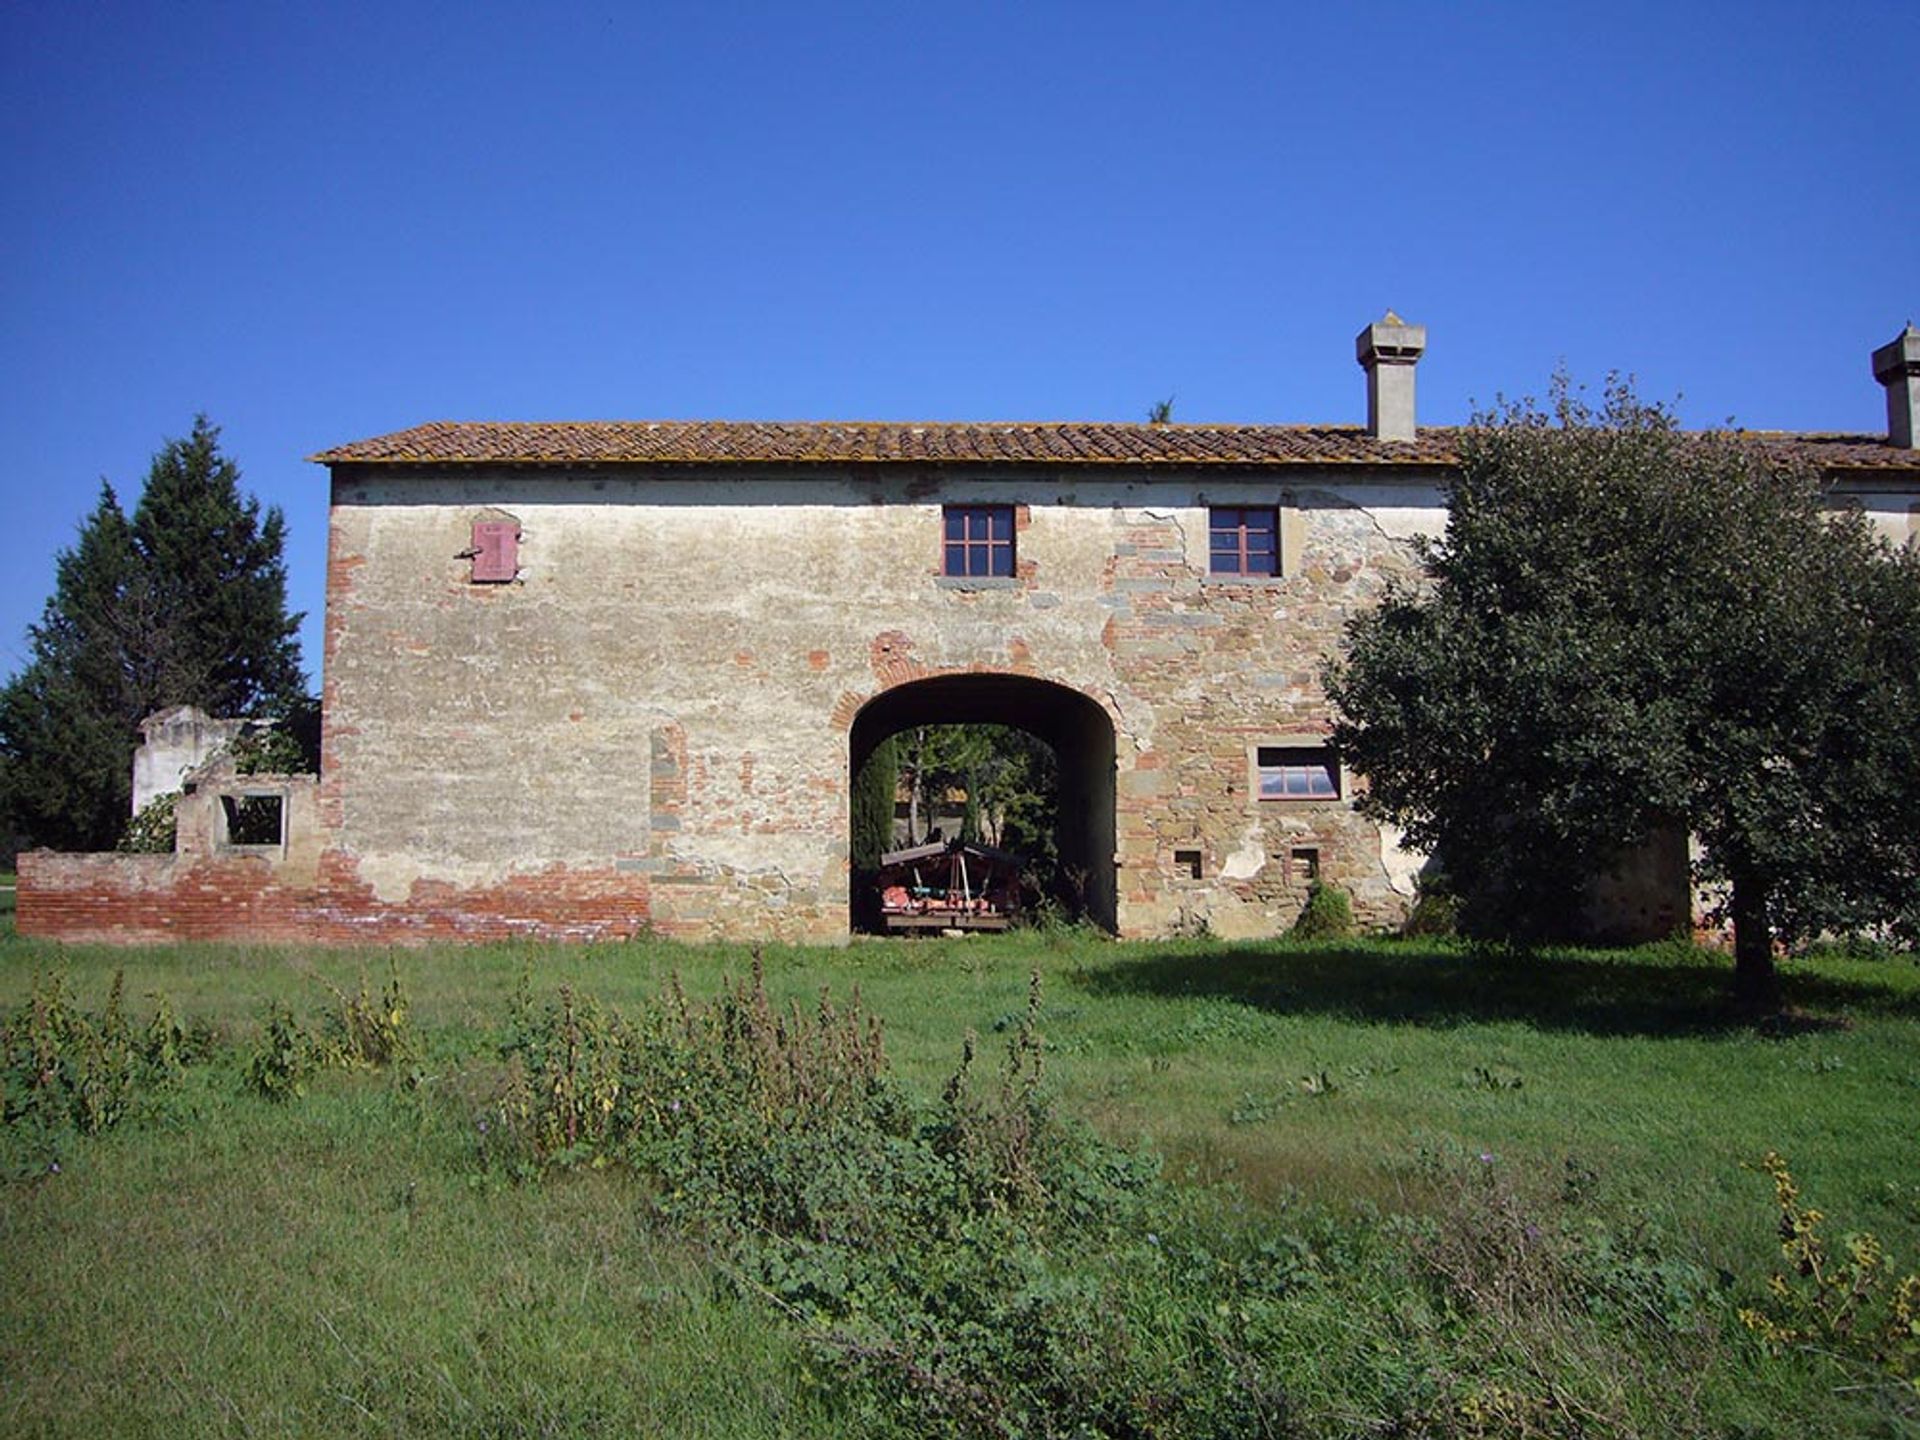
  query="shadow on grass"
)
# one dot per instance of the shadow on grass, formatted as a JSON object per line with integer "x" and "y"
{"x": 1630, "y": 992}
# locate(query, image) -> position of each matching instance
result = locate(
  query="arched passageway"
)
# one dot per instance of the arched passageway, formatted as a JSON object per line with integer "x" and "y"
{"x": 1077, "y": 730}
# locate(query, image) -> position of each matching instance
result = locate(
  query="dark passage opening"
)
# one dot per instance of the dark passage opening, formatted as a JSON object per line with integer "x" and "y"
{"x": 1073, "y": 727}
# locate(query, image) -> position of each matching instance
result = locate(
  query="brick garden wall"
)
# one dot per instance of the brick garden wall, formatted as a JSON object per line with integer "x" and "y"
{"x": 135, "y": 899}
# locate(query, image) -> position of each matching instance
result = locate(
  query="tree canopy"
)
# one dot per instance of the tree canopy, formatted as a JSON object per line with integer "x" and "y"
{"x": 1627, "y": 627}
{"x": 184, "y": 603}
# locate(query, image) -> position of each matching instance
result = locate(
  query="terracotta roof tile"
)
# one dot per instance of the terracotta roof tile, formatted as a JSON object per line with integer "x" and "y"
{"x": 752, "y": 442}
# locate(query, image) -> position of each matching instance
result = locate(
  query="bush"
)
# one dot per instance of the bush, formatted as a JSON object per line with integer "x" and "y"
{"x": 363, "y": 1032}
{"x": 285, "y": 1058}
{"x": 1435, "y": 914}
{"x": 1328, "y": 914}
{"x": 267, "y": 750}
{"x": 1846, "y": 1304}
{"x": 152, "y": 831}
{"x": 65, "y": 1072}
{"x": 585, "y": 1083}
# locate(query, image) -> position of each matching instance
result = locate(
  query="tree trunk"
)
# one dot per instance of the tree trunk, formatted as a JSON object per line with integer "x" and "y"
{"x": 1756, "y": 983}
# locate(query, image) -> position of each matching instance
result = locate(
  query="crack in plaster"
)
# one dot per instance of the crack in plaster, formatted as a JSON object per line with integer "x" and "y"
{"x": 1172, "y": 517}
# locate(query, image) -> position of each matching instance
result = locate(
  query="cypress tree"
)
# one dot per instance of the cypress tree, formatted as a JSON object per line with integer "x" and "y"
{"x": 221, "y": 636}
{"x": 66, "y": 718}
{"x": 184, "y": 604}
{"x": 873, "y": 803}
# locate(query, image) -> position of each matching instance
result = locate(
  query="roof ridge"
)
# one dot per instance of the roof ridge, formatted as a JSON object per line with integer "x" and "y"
{"x": 1182, "y": 425}
{"x": 1066, "y": 443}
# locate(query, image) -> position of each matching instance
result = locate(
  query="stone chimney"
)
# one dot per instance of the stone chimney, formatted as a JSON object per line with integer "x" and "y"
{"x": 1896, "y": 365}
{"x": 1388, "y": 350}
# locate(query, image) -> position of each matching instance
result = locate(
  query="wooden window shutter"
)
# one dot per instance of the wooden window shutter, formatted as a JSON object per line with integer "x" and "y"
{"x": 496, "y": 551}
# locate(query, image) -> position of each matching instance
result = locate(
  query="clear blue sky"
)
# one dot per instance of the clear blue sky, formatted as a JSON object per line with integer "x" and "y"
{"x": 318, "y": 223}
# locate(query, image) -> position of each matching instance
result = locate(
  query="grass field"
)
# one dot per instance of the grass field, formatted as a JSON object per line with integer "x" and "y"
{"x": 341, "y": 1264}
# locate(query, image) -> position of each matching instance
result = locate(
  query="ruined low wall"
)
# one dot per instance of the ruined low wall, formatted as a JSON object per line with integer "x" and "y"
{"x": 136, "y": 899}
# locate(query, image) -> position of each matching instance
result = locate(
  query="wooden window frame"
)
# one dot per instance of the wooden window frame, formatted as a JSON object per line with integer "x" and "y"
{"x": 1289, "y": 761}
{"x": 1241, "y": 558}
{"x": 996, "y": 552}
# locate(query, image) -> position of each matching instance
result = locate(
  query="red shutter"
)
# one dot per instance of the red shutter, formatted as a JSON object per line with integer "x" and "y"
{"x": 496, "y": 551}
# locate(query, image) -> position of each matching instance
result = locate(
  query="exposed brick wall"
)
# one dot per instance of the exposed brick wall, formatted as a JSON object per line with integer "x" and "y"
{"x": 145, "y": 898}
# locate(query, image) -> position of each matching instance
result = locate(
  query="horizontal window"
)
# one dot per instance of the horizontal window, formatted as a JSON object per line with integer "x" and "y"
{"x": 1296, "y": 772}
{"x": 979, "y": 540}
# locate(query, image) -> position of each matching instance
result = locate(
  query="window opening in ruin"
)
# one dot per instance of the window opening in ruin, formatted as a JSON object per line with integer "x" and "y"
{"x": 979, "y": 540}
{"x": 1296, "y": 772}
{"x": 1304, "y": 865}
{"x": 256, "y": 819}
{"x": 1243, "y": 540}
{"x": 1188, "y": 862}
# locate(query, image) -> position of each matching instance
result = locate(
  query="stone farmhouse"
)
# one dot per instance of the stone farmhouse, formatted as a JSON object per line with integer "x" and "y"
{"x": 593, "y": 679}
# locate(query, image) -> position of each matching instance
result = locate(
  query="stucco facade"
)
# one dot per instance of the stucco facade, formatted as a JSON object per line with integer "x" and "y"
{"x": 672, "y": 686}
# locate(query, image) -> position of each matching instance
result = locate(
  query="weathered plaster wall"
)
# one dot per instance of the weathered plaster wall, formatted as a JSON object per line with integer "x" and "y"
{"x": 175, "y": 742}
{"x": 667, "y": 690}
{"x": 1894, "y": 513}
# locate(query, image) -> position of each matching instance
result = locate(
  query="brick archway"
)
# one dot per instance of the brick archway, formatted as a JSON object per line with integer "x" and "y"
{"x": 1075, "y": 726}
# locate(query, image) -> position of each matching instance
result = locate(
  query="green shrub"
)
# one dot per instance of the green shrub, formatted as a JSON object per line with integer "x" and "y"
{"x": 152, "y": 831}
{"x": 267, "y": 750}
{"x": 1435, "y": 914}
{"x": 586, "y": 1083}
{"x": 363, "y": 1032}
{"x": 285, "y": 1058}
{"x": 974, "y": 1266}
{"x": 1846, "y": 1303}
{"x": 65, "y": 1072}
{"x": 1327, "y": 915}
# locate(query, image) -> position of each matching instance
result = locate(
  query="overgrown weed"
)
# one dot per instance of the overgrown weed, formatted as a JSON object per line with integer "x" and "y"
{"x": 1845, "y": 1300}
{"x": 66, "y": 1071}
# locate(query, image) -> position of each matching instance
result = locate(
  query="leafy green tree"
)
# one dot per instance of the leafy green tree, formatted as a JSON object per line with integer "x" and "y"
{"x": 184, "y": 603}
{"x": 1008, "y": 780}
{"x": 1627, "y": 628}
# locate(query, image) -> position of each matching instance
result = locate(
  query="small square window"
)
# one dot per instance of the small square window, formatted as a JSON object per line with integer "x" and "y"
{"x": 1188, "y": 863}
{"x": 979, "y": 540}
{"x": 1304, "y": 864}
{"x": 253, "y": 820}
{"x": 1243, "y": 540}
{"x": 1296, "y": 772}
